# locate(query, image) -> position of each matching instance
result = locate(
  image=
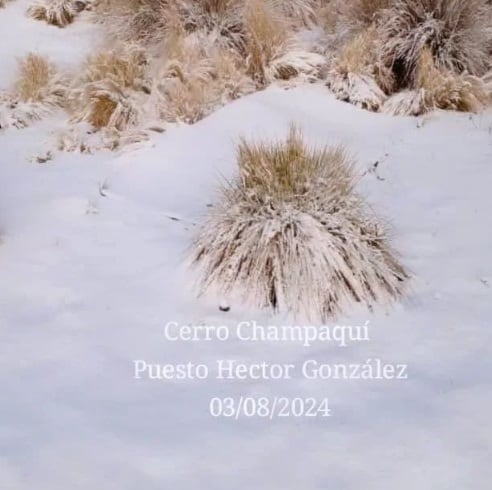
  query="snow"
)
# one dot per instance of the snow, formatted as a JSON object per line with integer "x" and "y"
{"x": 92, "y": 266}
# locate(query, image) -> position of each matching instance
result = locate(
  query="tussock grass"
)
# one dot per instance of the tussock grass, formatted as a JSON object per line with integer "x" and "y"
{"x": 111, "y": 90}
{"x": 39, "y": 89}
{"x": 456, "y": 32}
{"x": 35, "y": 74}
{"x": 59, "y": 13}
{"x": 271, "y": 51}
{"x": 447, "y": 90}
{"x": 291, "y": 233}
{"x": 361, "y": 14}
{"x": 38, "y": 81}
{"x": 413, "y": 56}
{"x": 193, "y": 77}
{"x": 438, "y": 88}
{"x": 355, "y": 75}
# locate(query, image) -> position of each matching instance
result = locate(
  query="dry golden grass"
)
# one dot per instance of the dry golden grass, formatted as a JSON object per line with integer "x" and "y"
{"x": 39, "y": 89}
{"x": 265, "y": 36}
{"x": 447, "y": 90}
{"x": 438, "y": 88}
{"x": 194, "y": 78}
{"x": 357, "y": 56}
{"x": 361, "y": 14}
{"x": 57, "y": 12}
{"x": 271, "y": 51}
{"x": 126, "y": 66}
{"x": 355, "y": 75}
{"x": 35, "y": 74}
{"x": 457, "y": 32}
{"x": 38, "y": 81}
{"x": 111, "y": 89}
{"x": 291, "y": 234}
{"x": 103, "y": 108}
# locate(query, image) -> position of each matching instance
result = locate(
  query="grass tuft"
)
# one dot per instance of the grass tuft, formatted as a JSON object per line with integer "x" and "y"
{"x": 290, "y": 233}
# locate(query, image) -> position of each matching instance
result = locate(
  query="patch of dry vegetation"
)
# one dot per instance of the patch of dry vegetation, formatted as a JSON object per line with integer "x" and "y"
{"x": 361, "y": 14}
{"x": 112, "y": 89}
{"x": 270, "y": 51}
{"x": 413, "y": 56}
{"x": 355, "y": 75}
{"x": 438, "y": 88}
{"x": 59, "y": 13}
{"x": 193, "y": 77}
{"x": 290, "y": 233}
{"x": 179, "y": 60}
{"x": 457, "y": 34}
{"x": 38, "y": 90}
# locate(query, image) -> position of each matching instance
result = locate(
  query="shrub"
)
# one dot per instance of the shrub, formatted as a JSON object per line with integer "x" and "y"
{"x": 290, "y": 233}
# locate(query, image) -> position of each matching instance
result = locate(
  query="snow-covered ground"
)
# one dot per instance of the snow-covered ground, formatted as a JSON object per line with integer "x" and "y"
{"x": 92, "y": 268}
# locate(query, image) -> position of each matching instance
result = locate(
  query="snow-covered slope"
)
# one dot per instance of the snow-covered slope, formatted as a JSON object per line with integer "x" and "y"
{"x": 91, "y": 269}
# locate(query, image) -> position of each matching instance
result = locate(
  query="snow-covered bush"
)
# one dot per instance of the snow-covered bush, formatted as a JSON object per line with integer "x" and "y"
{"x": 456, "y": 32}
{"x": 291, "y": 234}
{"x": 57, "y": 12}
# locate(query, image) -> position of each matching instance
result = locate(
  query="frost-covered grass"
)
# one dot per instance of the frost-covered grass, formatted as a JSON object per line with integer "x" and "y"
{"x": 292, "y": 234}
{"x": 200, "y": 55}
{"x": 59, "y": 13}
{"x": 456, "y": 33}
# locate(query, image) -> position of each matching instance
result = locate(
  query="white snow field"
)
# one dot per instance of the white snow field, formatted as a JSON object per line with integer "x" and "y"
{"x": 92, "y": 268}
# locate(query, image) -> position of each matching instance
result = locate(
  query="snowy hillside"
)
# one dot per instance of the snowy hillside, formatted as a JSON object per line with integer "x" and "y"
{"x": 93, "y": 265}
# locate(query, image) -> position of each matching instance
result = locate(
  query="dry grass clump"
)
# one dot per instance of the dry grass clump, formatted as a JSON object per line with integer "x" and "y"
{"x": 291, "y": 233}
{"x": 355, "y": 75}
{"x": 142, "y": 21}
{"x": 413, "y": 56}
{"x": 35, "y": 74}
{"x": 59, "y": 13}
{"x": 193, "y": 78}
{"x": 111, "y": 92}
{"x": 361, "y": 14}
{"x": 456, "y": 32}
{"x": 261, "y": 32}
{"x": 4, "y": 2}
{"x": 438, "y": 88}
{"x": 150, "y": 21}
{"x": 38, "y": 91}
{"x": 271, "y": 51}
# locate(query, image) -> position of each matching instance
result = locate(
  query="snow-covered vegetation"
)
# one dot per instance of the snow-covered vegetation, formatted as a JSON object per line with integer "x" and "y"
{"x": 395, "y": 56}
{"x": 219, "y": 165}
{"x": 291, "y": 234}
